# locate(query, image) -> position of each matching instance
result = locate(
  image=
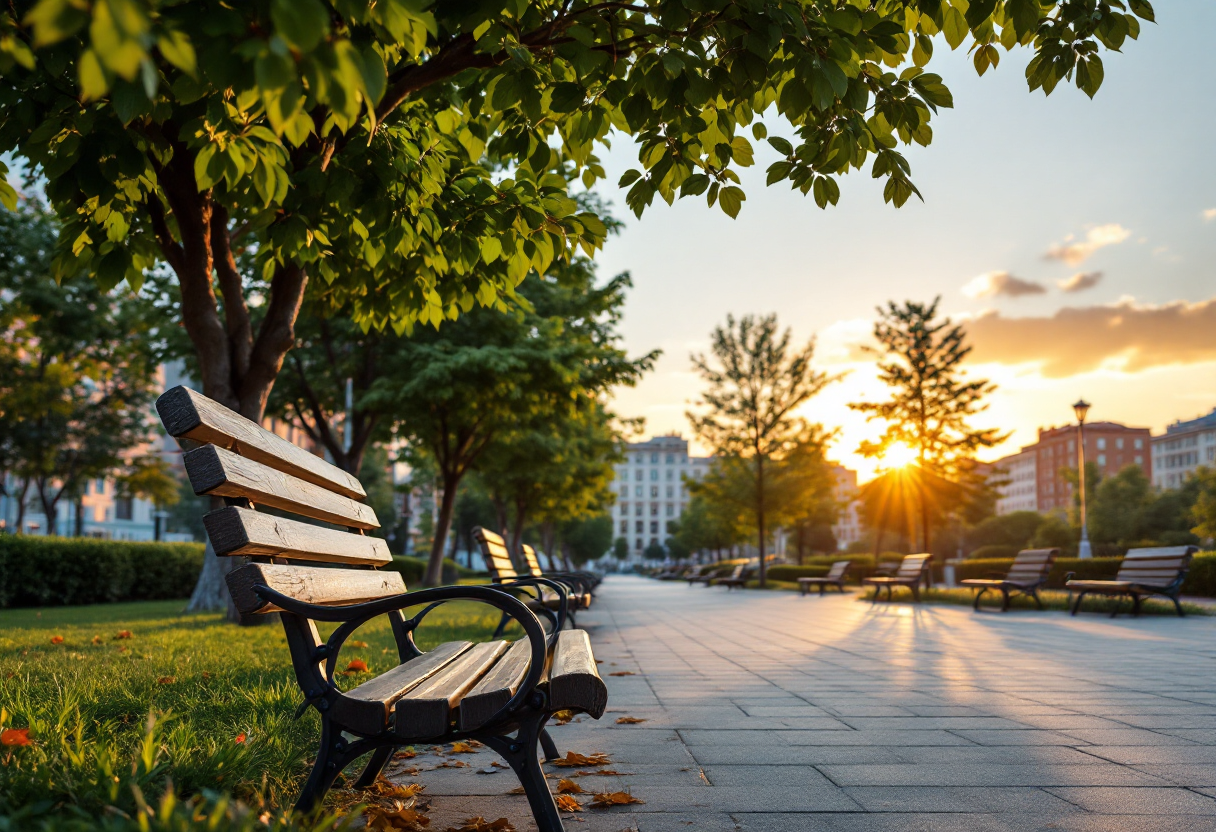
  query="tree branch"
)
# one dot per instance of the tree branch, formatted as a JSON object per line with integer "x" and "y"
{"x": 236, "y": 312}
{"x": 276, "y": 336}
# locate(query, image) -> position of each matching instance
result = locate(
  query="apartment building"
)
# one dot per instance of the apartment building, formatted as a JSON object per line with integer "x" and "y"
{"x": 651, "y": 489}
{"x": 1018, "y": 482}
{"x": 848, "y": 527}
{"x": 1182, "y": 448}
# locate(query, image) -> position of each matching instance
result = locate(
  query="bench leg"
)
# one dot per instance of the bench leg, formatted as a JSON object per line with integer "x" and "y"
{"x": 1076, "y": 605}
{"x": 324, "y": 772}
{"x": 1115, "y": 611}
{"x": 1004, "y": 600}
{"x": 1034, "y": 593}
{"x": 1136, "y": 604}
{"x": 877, "y": 589}
{"x": 548, "y": 746}
{"x": 916, "y": 592}
{"x": 975, "y": 605}
{"x": 375, "y": 765}
{"x": 1177, "y": 605}
{"x": 502, "y": 625}
{"x": 520, "y": 754}
{"x": 822, "y": 588}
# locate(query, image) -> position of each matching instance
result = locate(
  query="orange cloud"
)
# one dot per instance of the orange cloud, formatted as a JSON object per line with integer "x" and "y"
{"x": 1077, "y": 340}
{"x": 991, "y": 284}
{"x": 1080, "y": 281}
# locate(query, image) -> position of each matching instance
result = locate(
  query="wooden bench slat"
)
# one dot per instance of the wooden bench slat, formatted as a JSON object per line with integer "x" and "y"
{"x": 574, "y": 682}
{"x": 531, "y": 561}
{"x": 222, "y": 473}
{"x": 497, "y": 687}
{"x": 309, "y": 584}
{"x": 368, "y": 707}
{"x": 497, "y": 558}
{"x": 190, "y": 415}
{"x": 425, "y": 711}
{"x": 240, "y": 531}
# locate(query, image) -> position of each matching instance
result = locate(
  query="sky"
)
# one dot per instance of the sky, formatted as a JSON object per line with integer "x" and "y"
{"x": 1075, "y": 238}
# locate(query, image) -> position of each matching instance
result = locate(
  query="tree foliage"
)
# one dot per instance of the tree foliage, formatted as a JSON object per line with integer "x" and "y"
{"x": 1203, "y": 513}
{"x": 931, "y": 401}
{"x": 756, "y": 381}
{"x": 412, "y": 158}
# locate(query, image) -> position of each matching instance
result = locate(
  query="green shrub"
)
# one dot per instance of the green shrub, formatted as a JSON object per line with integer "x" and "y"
{"x": 1090, "y": 569}
{"x": 412, "y": 570}
{"x": 55, "y": 571}
{"x": 1201, "y": 580}
{"x": 862, "y": 566}
{"x": 995, "y": 551}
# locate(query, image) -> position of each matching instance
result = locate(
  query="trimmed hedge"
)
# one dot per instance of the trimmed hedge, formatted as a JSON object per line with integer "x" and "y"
{"x": 58, "y": 571}
{"x": 1201, "y": 580}
{"x": 863, "y": 566}
{"x": 412, "y": 570}
{"x": 994, "y": 551}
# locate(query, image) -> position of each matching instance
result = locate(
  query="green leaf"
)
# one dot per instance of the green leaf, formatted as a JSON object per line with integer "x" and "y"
{"x": 955, "y": 28}
{"x": 778, "y": 171}
{"x": 92, "y": 77}
{"x": 731, "y": 200}
{"x": 566, "y": 98}
{"x": 178, "y": 50}
{"x": 1089, "y": 75}
{"x": 759, "y": 131}
{"x": 302, "y": 23}
{"x": 1143, "y": 10}
{"x": 781, "y": 145}
{"x": 375, "y": 76}
{"x": 54, "y": 20}
{"x": 203, "y": 177}
{"x": 694, "y": 185}
{"x": 8, "y": 195}
{"x": 628, "y": 178}
{"x": 741, "y": 151}
{"x": 979, "y": 11}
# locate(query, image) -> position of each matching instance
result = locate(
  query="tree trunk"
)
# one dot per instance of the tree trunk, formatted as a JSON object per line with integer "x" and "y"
{"x": 79, "y": 531}
{"x": 924, "y": 514}
{"x": 25, "y": 487}
{"x": 760, "y": 516}
{"x": 434, "y": 567}
{"x": 49, "y": 507}
{"x": 517, "y": 531}
{"x": 500, "y": 513}
{"x": 211, "y": 590}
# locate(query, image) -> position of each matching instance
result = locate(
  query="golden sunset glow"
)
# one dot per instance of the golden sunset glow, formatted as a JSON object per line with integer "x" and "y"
{"x": 897, "y": 456}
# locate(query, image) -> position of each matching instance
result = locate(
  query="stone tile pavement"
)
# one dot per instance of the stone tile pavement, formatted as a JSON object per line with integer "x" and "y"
{"x": 768, "y": 711}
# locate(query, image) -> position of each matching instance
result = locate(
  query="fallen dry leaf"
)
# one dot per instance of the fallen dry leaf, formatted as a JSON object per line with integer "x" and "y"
{"x": 464, "y": 747}
{"x": 240, "y": 738}
{"x": 453, "y": 764}
{"x": 166, "y": 680}
{"x": 575, "y": 760}
{"x": 628, "y": 720}
{"x": 568, "y": 787}
{"x": 517, "y": 790}
{"x": 623, "y": 673}
{"x": 357, "y": 666}
{"x": 123, "y": 634}
{"x": 97, "y": 639}
{"x": 566, "y": 803}
{"x": 56, "y": 639}
{"x": 480, "y": 824}
{"x": 404, "y": 818}
{"x": 386, "y": 788}
{"x": 15, "y": 736}
{"x": 603, "y": 801}
{"x": 562, "y": 717}
{"x": 408, "y": 771}
{"x": 405, "y": 755}
{"x": 356, "y": 643}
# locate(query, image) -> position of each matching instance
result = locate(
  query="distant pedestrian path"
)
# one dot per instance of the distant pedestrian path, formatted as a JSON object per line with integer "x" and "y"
{"x": 770, "y": 711}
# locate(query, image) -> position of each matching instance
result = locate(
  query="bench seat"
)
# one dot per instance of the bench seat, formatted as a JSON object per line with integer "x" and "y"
{"x": 1142, "y": 572}
{"x": 1026, "y": 575}
{"x": 912, "y": 571}
{"x": 835, "y": 577}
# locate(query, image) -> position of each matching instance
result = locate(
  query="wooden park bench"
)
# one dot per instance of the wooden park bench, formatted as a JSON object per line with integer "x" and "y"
{"x": 458, "y": 690}
{"x": 737, "y": 579}
{"x": 581, "y": 582}
{"x": 555, "y": 600}
{"x": 1143, "y": 572}
{"x": 835, "y": 577}
{"x": 702, "y": 574}
{"x": 912, "y": 571}
{"x": 1026, "y": 576}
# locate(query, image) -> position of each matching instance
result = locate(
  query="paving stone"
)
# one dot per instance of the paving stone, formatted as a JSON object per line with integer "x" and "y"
{"x": 1142, "y": 801}
{"x": 958, "y": 799}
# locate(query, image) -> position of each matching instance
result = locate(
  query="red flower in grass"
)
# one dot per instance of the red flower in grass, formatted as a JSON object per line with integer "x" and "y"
{"x": 15, "y": 736}
{"x": 56, "y": 639}
{"x": 240, "y": 738}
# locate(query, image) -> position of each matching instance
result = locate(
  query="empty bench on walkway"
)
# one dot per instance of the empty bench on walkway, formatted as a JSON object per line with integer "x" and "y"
{"x": 835, "y": 577}
{"x": 553, "y": 599}
{"x": 1026, "y": 576}
{"x": 912, "y": 571}
{"x": 580, "y": 582}
{"x": 458, "y": 690}
{"x": 1143, "y": 572}
{"x": 737, "y": 579}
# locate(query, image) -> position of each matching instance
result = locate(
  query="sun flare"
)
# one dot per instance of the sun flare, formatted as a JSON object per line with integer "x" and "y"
{"x": 898, "y": 455}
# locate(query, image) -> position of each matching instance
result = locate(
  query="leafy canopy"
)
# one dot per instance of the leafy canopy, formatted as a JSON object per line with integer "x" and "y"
{"x": 412, "y": 154}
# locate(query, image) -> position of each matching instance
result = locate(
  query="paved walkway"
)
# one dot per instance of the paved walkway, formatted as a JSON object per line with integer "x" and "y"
{"x": 767, "y": 711}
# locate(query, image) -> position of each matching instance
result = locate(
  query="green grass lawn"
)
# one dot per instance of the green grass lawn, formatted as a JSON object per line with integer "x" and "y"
{"x": 166, "y": 705}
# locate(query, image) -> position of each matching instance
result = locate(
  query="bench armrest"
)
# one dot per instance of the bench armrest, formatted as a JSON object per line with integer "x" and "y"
{"x": 997, "y": 576}
{"x": 563, "y": 594}
{"x": 1068, "y": 576}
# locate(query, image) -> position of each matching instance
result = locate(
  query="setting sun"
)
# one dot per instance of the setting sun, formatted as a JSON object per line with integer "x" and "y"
{"x": 898, "y": 455}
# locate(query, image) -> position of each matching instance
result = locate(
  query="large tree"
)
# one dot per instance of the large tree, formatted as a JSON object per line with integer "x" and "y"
{"x": 757, "y": 380}
{"x": 79, "y": 370}
{"x": 930, "y": 405}
{"x": 405, "y": 153}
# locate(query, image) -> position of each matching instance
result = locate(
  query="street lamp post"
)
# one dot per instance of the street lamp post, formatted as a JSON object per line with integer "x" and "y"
{"x": 1081, "y": 408}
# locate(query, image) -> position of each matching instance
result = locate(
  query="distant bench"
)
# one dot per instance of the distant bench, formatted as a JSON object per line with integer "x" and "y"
{"x": 1026, "y": 576}
{"x": 1143, "y": 572}
{"x": 911, "y": 573}
{"x": 458, "y": 690}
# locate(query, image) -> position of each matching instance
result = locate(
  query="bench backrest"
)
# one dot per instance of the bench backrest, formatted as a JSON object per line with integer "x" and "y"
{"x": 913, "y": 565}
{"x": 1032, "y": 565}
{"x": 737, "y": 572}
{"x": 531, "y": 561}
{"x": 229, "y": 456}
{"x": 494, "y": 552}
{"x": 1162, "y": 566}
{"x": 838, "y": 569}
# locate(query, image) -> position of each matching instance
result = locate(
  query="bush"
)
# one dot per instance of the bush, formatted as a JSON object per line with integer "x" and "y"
{"x": 1201, "y": 580}
{"x": 412, "y": 570}
{"x": 1090, "y": 569}
{"x": 57, "y": 571}
{"x": 996, "y": 551}
{"x": 862, "y": 566}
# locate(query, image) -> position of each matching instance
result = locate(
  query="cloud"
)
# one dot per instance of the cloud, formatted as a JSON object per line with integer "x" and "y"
{"x": 992, "y": 284}
{"x": 1080, "y": 281}
{"x": 1076, "y": 253}
{"x": 1124, "y": 334}
{"x": 1209, "y": 215}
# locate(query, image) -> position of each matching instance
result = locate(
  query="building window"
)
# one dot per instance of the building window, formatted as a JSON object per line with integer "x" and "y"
{"x": 637, "y": 509}
{"x": 639, "y": 475}
{"x": 123, "y": 508}
{"x": 639, "y": 543}
{"x": 654, "y": 491}
{"x": 624, "y": 526}
{"x": 101, "y": 486}
{"x": 671, "y": 458}
{"x": 654, "y": 459}
{"x": 637, "y": 491}
{"x": 1140, "y": 459}
{"x": 624, "y": 508}
{"x": 654, "y": 509}
{"x": 671, "y": 510}
{"x": 640, "y": 527}
{"x": 670, "y": 492}
{"x": 1101, "y": 443}
{"x": 1119, "y": 444}
{"x": 671, "y": 475}
{"x": 654, "y": 526}
{"x": 1101, "y": 460}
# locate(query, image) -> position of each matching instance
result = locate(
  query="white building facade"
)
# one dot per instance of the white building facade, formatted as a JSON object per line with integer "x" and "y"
{"x": 1018, "y": 488}
{"x": 651, "y": 488}
{"x": 1182, "y": 448}
{"x": 848, "y": 526}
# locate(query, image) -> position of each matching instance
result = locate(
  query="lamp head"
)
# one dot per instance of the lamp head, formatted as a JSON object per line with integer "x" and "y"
{"x": 1081, "y": 408}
